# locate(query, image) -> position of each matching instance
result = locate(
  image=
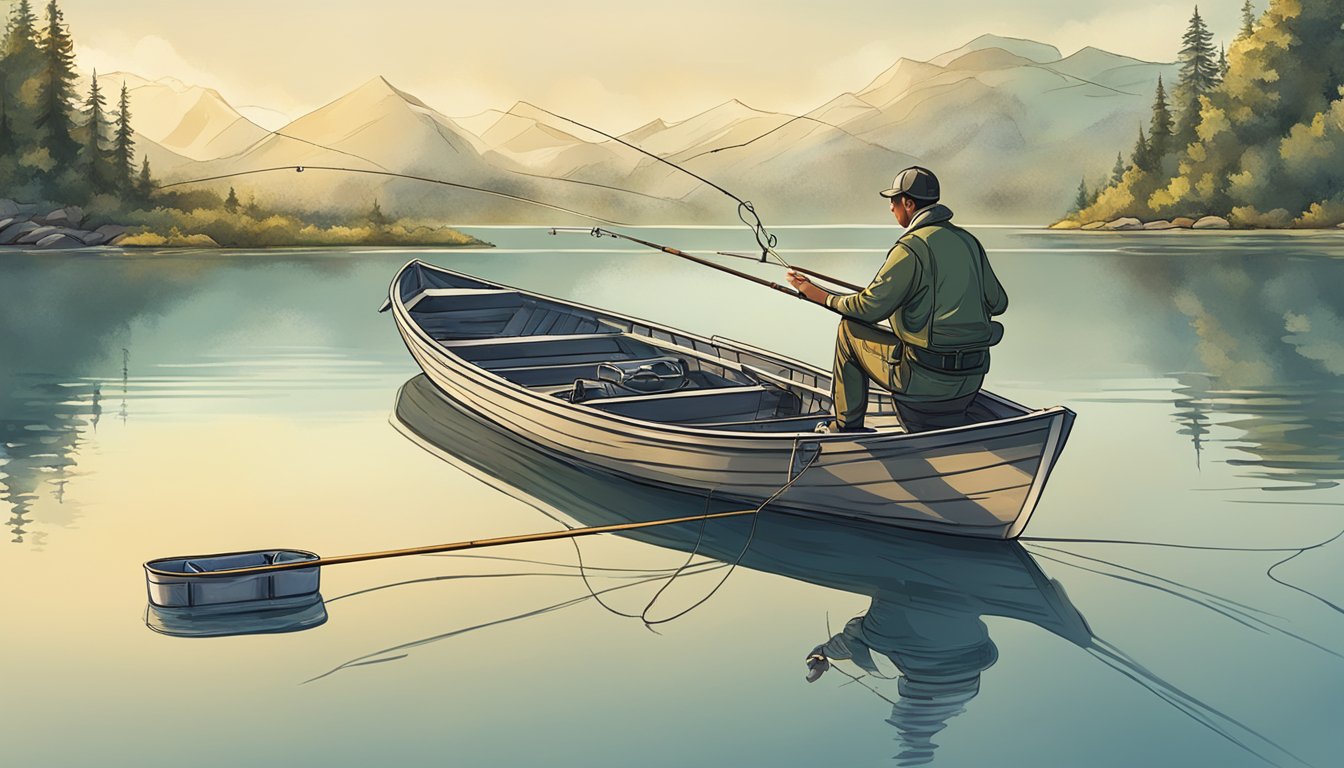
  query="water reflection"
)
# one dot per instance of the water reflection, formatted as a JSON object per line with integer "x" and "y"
{"x": 929, "y": 592}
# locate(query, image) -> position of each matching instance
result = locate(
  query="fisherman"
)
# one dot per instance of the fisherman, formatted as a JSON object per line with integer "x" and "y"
{"x": 938, "y": 293}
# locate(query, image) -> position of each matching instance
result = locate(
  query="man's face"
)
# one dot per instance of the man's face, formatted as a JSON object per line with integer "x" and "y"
{"x": 903, "y": 208}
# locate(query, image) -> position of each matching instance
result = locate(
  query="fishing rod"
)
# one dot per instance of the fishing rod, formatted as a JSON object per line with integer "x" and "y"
{"x": 796, "y": 268}
{"x": 599, "y": 232}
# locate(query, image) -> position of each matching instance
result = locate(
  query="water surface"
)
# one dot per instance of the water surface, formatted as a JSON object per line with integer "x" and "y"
{"x": 159, "y": 404}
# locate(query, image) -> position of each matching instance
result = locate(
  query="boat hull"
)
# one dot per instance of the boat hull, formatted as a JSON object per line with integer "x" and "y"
{"x": 981, "y": 480}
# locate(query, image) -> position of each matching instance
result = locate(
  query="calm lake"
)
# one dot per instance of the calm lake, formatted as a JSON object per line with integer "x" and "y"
{"x": 157, "y": 404}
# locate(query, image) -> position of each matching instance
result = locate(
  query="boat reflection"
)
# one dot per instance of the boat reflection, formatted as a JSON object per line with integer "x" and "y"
{"x": 929, "y": 592}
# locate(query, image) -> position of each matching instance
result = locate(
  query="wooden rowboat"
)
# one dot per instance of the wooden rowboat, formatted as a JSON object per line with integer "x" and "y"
{"x": 673, "y": 409}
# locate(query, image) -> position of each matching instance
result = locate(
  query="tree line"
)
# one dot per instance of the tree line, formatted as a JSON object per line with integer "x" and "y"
{"x": 1253, "y": 132}
{"x": 53, "y": 144}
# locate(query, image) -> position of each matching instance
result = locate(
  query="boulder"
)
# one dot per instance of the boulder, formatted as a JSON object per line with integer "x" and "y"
{"x": 11, "y": 234}
{"x": 1161, "y": 224}
{"x": 34, "y": 235}
{"x": 1123, "y": 224}
{"x": 1066, "y": 224}
{"x": 72, "y": 216}
{"x": 93, "y": 238}
{"x": 1340, "y": 225}
{"x": 6, "y": 221}
{"x": 111, "y": 231}
{"x": 1184, "y": 222}
{"x": 1094, "y": 225}
{"x": 60, "y": 240}
{"x": 1213, "y": 222}
{"x": 8, "y": 207}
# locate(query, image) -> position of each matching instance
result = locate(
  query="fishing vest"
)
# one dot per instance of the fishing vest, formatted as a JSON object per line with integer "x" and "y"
{"x": 946, "y": 311}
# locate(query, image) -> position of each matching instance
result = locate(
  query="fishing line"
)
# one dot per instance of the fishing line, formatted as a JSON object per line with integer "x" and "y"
{"x": 392, "y": 174}
{"x": 745, "y": 210}
{"x": 755, "y": 518}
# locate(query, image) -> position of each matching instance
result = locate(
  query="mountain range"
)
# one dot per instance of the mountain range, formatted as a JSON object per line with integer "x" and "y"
{"x": 1009, "y": 125}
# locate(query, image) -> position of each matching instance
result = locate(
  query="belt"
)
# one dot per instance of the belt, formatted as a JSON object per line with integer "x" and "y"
{"x": 953, "y": 362}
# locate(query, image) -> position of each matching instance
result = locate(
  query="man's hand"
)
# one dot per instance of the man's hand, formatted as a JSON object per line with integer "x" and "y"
{"x": 806, "y": 287}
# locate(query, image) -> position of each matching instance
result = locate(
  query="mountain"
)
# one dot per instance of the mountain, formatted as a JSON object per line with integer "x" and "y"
{"x": 378, "y": 131}
{"x": 190, "y": 121}
{"x": 1009, "y": 125}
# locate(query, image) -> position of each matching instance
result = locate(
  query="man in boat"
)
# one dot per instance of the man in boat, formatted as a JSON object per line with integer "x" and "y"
{"x": 937, "y": 293}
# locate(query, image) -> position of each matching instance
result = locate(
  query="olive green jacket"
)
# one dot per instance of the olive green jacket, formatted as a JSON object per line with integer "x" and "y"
{"x": 954, "y": 315}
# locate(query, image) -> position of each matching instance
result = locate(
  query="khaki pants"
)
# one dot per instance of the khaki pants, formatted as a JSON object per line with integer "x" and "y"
{"x": 864, "y": 353}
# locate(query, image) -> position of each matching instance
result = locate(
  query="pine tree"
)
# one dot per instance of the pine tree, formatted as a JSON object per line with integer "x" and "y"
{"x": 231, "y": 202}
{"x": 376, "y": 216}
{"x": 95, "y": 158}
{"x": 1083, "y": 199}
{"x": 55, "y": 120}
{"x": 123, "y": 147}
{"x": 1247, "y": 20}
{"x": 144, "y": 186}
{"x": 1142, "y": 157}
{"x": 8, "y": 146}
{"x": 22, "y": 62}
{"x": 1159, "y": 128}
{"x": 1222, "y": 63}
{"x": 1118, "y": 172}
{"x": 1199, "y": 75}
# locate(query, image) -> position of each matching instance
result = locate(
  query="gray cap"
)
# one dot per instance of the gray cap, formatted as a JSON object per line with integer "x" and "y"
{"x": 916, "y": 182}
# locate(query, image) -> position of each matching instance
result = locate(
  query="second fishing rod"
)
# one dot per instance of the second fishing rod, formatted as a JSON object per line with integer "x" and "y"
{"x": 600, "y": 232}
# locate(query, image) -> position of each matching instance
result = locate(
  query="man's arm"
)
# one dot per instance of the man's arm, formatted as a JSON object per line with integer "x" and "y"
{"x": 891, "y": 287}
{"x": 996, "y": 299}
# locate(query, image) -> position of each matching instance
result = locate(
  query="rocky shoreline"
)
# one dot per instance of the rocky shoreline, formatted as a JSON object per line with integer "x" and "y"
{"x": 1131, "y": 224}
{"x": 22, "y": 225}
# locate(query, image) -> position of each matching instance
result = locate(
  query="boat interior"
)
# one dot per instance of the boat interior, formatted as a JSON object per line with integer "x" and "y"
{"x": 625, "y": 367}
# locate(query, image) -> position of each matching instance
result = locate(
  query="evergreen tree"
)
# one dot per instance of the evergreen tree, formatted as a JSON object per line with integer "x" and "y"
{"x": 95, "y": 157}
{"x": 1247, "y": 20}
{"x": 1142, "y": 157}
{"x": 55, "y": 120}
{"x": 144, "y": 186}
{"x": 8, "y": 146}
{"x": 1084, "y": 199}
{"x": 1222, "y": 62}
{"x": 1199, "y": 75}
{"x": 1160, "y": 127}
{"x": 231, "y": 202}
{"x": 1118, "y": 172}
{"x": 376, "y": 216}
{"x": 123, "y": 147}
{"x": 22, "y": 61}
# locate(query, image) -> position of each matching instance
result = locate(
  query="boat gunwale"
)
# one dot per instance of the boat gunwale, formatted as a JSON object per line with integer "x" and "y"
{"x": 557, "y": 406}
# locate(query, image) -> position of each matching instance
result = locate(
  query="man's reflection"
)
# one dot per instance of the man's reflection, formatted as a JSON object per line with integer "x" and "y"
{"x": 934, "y": 645}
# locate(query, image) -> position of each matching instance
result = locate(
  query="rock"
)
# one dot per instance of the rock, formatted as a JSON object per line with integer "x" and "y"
{"x": 34, "y": 235}
{"x": 1213, "y": 222}
{"x": 72, "y": 216}
{"x": 60, "y": 240}
{"x": 1183, "y": 222}
{"x": 8, "y": 207}
{"x": 1066, "y": 224}
{"x": 1123, "y": 224}
{"x": 93, "y": 238}
{"x": 111, "y": 231}
{"x": 116, "y": 240}
{"x": 5, "y": 222}
{"x": 1094, "y": 225}
{"x": 1340, "y": 225}
{"x": 1161, "y": 224}
{"x": 11, "y": 234}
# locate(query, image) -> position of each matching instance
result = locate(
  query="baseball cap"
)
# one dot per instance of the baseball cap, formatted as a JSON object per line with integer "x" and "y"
{"x": 916, "y": 182}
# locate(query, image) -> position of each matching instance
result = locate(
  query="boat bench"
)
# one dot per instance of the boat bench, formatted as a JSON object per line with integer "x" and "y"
{"x": 700, "y": 406}
{"x": 466, "y": 313}
{"x": 559, "y": 349}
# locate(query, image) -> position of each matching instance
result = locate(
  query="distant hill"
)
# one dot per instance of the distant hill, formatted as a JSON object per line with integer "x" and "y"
{"x": 190, "y": 121}
{"x": 1008, "y": 124}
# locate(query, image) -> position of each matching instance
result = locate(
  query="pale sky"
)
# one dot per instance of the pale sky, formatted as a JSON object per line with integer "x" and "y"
{"x": 617, "y": 64}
